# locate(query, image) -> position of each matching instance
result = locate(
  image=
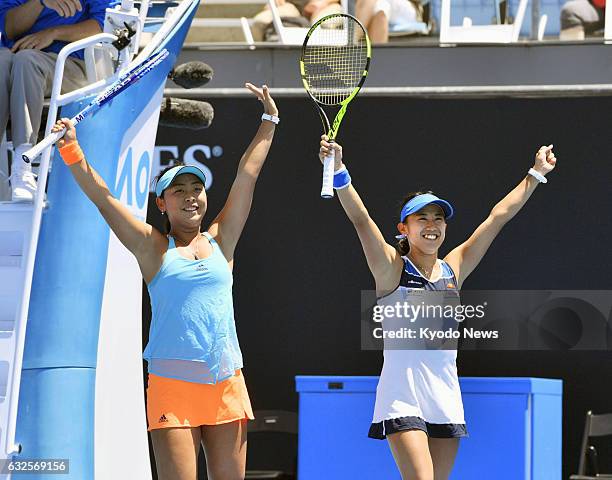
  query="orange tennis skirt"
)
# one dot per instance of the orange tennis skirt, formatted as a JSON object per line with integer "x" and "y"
{"x": 177, "y": 403}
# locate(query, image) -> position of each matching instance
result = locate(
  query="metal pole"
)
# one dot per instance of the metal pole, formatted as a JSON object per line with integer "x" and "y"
{"x": 535, "y": 18}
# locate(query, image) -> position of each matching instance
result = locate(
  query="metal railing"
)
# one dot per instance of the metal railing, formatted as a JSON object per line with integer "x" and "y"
{"x": 453, "y": 91}
{"x": 57, "y": 100}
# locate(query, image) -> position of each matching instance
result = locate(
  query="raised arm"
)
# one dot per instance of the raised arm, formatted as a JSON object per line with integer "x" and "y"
{"x": 383, "y": 260}
{"x": 468, "y": 255}
{"x": 138, "y": 237}
{"x": 228, "y": 225}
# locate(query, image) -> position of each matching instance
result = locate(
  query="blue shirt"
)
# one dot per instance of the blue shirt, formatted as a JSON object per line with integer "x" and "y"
{"x": 193, "y": 334}
{"x": 91, "y": 10}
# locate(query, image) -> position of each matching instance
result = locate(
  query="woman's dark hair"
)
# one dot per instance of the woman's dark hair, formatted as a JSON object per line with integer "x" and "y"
{"x": 403, "y": 246}
{"x": 167, "y": 225}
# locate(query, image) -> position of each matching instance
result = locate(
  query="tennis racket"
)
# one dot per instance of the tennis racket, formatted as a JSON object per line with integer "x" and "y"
{"x": 334, "y": 64}
{"x": 127, "y": 79}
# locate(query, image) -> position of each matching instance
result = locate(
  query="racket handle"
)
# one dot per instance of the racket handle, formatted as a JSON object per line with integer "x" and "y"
{"x": 327, "y": 190}
{"x": 37, "y": 149}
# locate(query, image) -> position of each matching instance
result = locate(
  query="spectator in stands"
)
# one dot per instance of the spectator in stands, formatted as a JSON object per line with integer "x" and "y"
{"x": 379, "y": 15}
{"x": 32, "y": 34}
{"x": 314, "y": 10}
{"x": 297, "y": 13}
{"x": 580, "y": 17}
{"x": 263, "y": 19}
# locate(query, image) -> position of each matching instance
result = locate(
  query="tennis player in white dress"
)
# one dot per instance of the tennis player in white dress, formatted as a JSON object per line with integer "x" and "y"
{"x": 418, "y": 402}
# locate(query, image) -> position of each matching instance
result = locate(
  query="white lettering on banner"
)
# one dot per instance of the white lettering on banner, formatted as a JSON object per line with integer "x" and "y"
{"x": 190, "y": 157}
{"x": 134, "y": 170}
{"x": 132, "y": 188}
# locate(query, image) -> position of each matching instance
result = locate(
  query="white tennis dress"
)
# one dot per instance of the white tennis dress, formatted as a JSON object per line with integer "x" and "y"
{"x": 419, "y": 389}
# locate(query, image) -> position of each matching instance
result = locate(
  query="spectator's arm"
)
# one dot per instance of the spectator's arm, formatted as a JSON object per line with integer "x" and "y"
{"x": 93, "y": 25}
{"x": 97, "y": 9}
{"x": 65, "y": 33}
{"x": 19, "y": 19}
{"x": 72, "y": 33}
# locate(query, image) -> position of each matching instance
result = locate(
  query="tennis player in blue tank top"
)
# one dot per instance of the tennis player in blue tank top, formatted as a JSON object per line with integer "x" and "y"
{"x": 418, "y": 402}
{"x": 193, "y": 353}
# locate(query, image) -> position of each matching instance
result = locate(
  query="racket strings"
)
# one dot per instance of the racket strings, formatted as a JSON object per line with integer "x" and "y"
{"x": 335, "y": 58}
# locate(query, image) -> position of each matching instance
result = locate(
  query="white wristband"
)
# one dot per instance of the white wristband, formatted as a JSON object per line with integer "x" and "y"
{"x": 537, "y": 175}
{"x": 270, "y": 118}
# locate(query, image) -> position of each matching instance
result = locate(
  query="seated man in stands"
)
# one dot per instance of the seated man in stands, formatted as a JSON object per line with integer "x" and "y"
{"x": 377, "y": 15}
{"x": 32, "y": 33}
{"x": 581, "y": 16}
{"x": 263, "y": 19}
{"x": 297, "y": 13}
{"x": 314, "y": 10}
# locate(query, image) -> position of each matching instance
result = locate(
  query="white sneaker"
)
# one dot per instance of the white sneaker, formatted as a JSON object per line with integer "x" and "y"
{"x": 23, "y": 182}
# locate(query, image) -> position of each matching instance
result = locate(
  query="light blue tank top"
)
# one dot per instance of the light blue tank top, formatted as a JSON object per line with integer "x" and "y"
{"x": 193, "y": 334}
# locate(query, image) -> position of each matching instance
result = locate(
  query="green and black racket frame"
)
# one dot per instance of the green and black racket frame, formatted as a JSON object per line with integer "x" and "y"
{"x": 334, "y": 65}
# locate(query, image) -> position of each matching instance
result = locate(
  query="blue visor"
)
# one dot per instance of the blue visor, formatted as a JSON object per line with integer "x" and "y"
{"x": 420, "y": 201}
{"x": 168, "y": 177}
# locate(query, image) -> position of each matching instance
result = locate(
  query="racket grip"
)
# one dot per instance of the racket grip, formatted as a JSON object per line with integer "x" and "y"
{"x": 327, "y": 190}
{"x": 37, "y": 149}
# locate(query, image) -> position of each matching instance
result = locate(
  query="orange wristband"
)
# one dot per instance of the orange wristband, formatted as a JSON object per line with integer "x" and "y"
{"x": 71, "y": 153}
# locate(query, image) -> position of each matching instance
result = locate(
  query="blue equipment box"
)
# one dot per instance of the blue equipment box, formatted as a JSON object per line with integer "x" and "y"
{"x": 514, "y": 426}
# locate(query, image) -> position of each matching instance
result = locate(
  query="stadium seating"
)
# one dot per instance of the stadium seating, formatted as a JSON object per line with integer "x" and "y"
{"x": 482, "y": 12}
{"x": 219, "y": 21}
